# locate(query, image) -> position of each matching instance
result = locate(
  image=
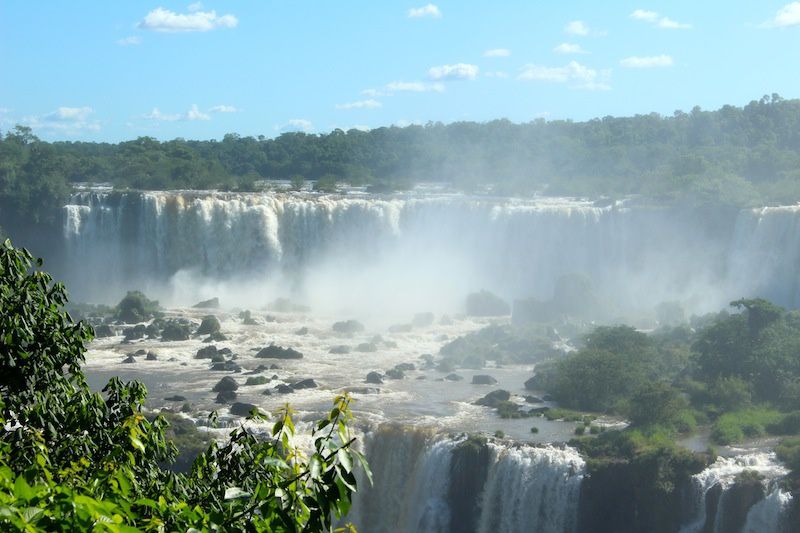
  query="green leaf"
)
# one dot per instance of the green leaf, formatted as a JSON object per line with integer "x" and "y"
{"x": 344, "y": 459}
{"x": 22, "y": 490}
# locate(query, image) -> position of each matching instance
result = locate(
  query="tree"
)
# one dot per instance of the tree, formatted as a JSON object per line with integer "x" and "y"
{"x": 73, "y": 460}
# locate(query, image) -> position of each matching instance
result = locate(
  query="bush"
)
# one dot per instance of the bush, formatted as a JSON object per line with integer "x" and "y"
{"x": 738, "y": 425}
{"x": 135, "y": 307}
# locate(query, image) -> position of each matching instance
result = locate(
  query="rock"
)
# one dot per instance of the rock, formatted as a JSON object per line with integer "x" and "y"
{"x": 247, "y": 318}
{"x": 374, "y": 378}
{"x": 273, "y": 366}
{"x": 151, "y": 356}
{"x": 484, "y": 303}
{"x": 278, "y": 352}
{"x": 227, "y": 366}
{"x": 130, "y": 359}
{"x": 226, "y": 396}
{"x": 454, "y": 377}
{"x": 348, "y": 327}
{"x": 283, "y": 389}
{"x": 405, "y": 367}
{"x": 217, "y": 358}
{"x": 304, "y": 384}
{"x": 533, "y": 399}
{"x": 103, "y": 330}
{"x": 176, "y": 398}
{"x": 242, "y": 409}
{"x": 213, "y": 303}
{"x": 420, "y": 378}
{"x": 483, "y": 379}
{"x": 186, "y": 408}
{"x": 217, "y": 336}
{"x": 362, "y": 390}
{"x": 339, "y": 350}
{"x": 226, "y": 384}
{"x": 494, "y": 398}
{"x": 209, "y": 325}
{"x": 400, "y": 328}
{"x": 206, "y": 353}
{"x": 172, "y": 359}
{"x": 394, "y": 373}
{"x": 260, "y": 380}
{"x": 175, "y": 331}
{"x": 367, "y": 347}
{"x": 302, "y": 331}
{"x": 136, "y": 332}
{"x": 258, "y": 370}
{"x": 152, "y": 331}
{"x": 422, "y": 320}
{"x": 140, "y": 352}
{"x": 530, "y": 383}
{"x": 224, "y": 351}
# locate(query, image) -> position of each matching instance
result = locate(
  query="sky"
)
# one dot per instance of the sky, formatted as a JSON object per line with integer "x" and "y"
{"x": 111, "y": 71}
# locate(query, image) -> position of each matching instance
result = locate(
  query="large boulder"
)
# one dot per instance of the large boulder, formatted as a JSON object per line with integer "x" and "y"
{"x": 339, "y": 350}
{"x": 103, "y": 330}
{"x": 375, "y": 378}
{"x": 257, "y": 380}
{"x": 152, "y": 356}
{"x": 136, "y": 332}
{"x": 304, "y": 384}
{"x": 226, "y": 366}
{"x": 213, "y": 303}
{"x": 175, "y": 331}
{"x": 278, "y": 352}
{"x": 206, "y": 353}
{"x": 348, "y": 327}
{"x": 176, "y": 398}
{"x": 130, "y": 359}
{"x": 242, "y": 409}
{"x": 405, "y": 367}
{"x": 494, "y": 398}
{"x": 485, "y": 303}
{"x": 225, "y": 384}
{"x": 454, "y": 377}
{"x": 394, "y": 373}
{"x": 226, "y": 396}
{"x": 367, "y": 347}
{"x": 483, "y": 379}
{"x": 209, "y": 325}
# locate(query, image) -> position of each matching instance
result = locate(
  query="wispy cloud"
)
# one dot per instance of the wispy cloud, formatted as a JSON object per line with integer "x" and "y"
{"x": 414, "y": 87}
{"x": 662, "y": 60}
{"x": 164, "y": 20}
{"x": 360, "y": 104}
{"x": 129, "y": 41}
{"x": 459, "y": 71}
{"x": 577, "y": 27}
{"x": 296, "y": 124}
{"x": 497, "y": 52}
{"x": 223, "y": 109}
{"x": 426, "y": 11}
{"x": 66, "y": 120}
{"x": 659, "y": 20}
{"x": 569, "y": 48}
{"x": 787, "y": 16}
{"x": 573, "y": 73}
{"x": 193, "y": 113}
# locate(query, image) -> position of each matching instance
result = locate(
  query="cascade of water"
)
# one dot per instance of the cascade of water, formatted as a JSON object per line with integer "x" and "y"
{"x": 768, "y": 514}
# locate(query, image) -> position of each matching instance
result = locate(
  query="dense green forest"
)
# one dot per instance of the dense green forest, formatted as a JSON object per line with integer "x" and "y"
{"x": 735, "y": 155}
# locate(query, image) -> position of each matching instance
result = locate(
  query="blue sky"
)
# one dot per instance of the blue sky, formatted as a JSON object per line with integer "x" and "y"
{"x": 118, "y": 70}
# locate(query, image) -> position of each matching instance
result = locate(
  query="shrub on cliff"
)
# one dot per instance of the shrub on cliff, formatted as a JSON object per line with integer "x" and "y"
{"x": 135, "y": 307}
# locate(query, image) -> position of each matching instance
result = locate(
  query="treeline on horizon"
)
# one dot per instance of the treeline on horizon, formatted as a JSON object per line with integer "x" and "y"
{"x": 734, "y": 156}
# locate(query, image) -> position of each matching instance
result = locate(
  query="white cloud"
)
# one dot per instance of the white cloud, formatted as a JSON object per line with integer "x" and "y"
{"x": 360, "y": 104}
{"x": 193, "y": 113}
{"x": 662, "y": 60}
{"x": 69, "y": 114}
{"x": 569, "y": 48}
{"x": 196, "y": 114}
{"x": 129, "y": 41}
{"x": 787, "y": 16}
{"x": 414, "y": 87}
{"x": 577, "y": 27}
{"x": 657, "y": 19}
{"x": 430, "y": 11}
{"x": 223, "y": 109}
{"x": 164, "y": 20}
{"x": 67, "y": 120}
{"x": 497, "y": 52}
{"x": 459, "y": 71}
{"x": 297, "y": 124}
{"x": 577, "y": 75}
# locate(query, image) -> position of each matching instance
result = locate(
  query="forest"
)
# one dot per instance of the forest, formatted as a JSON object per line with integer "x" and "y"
{"x": 736, "y": 156}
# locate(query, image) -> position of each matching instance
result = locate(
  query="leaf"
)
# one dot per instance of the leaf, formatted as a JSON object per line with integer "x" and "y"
{"x": 344, "y": 459}
{"x": 235, "y": 493}
{"x": 22, "y": 490}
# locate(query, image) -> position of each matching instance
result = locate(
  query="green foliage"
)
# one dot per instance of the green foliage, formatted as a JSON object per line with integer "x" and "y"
{"x": 734, "y": 427}
{"x": 136, "y": 307}
{"x": 655, "y": 403}
{"x": 73, "y": 460}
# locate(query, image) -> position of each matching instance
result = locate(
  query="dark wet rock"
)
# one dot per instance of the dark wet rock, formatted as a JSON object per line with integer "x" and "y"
{"x": 362, "y": 390}
{"x": 213, "y": 303}
{"x": 242, "y": 409}
{"x": 304, "y": 384}
{"x": 530, "y": 383}
{"x": 153, "y": 330}
{"x": 103, "y": 330}
{"x": 394, "y": 373}
{"x": 217, "y": 358}
{"x": 422, "y": 320}
{"x": 226, "y": 396}
{"x": 225, "y": 351}
{"x": 494, "y": 398}
{"x": 367, "y": 347}
{"x": 247, "y": 318}
{"x": 374, "y": 378}
{"x": 172, "y": 359}
{"x": 209, "y": 325}
{"x": 258, "y": 370}
{"x": 225, "y": 384}
{"x": 176, "y": 398}
{"x": 533, "y": 399}
{"x": 278, "y": 352}
{"x": 130, "y": 359}
{"x": 348, "y": 327}
{"x": 454, "y": 377}
{"x": 483, "y": 379}
{"x": 206, "y": 353}
{"x": 302, "y": 331}
{"x": 339, "y": 350}
{"x": 152, "y": 356}
{"x": 186, "y": 408}
{"x": 227, "y": 366}
{"x": 259, "y": 380}
{"x": 175, "y": 331}
{"x": 217, "y": 336}
{"x": 400, "y": 328}
{"x": 420, "y": 378}
{"x": 274, "y": 376}
{"x": 134, "y": 333}
{"x": 405, "y": 367}
{"x": 283, "y": 389}
{"x": 273, "y": 366}
{"x": 140, "y": 352}
{"x": 485, "y": 303}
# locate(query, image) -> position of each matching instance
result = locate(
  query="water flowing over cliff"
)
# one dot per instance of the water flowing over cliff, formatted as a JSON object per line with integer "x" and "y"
{"x": 429, "y": 248}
